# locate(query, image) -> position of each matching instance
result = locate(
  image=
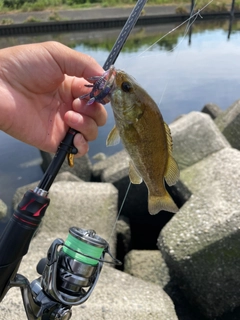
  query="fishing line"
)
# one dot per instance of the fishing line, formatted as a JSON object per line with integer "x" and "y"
{"x": 189, "y": 22}
{"x": 180, "y": 25}
{"x": 120, "y": 210}
{"x": 188, "y": 26}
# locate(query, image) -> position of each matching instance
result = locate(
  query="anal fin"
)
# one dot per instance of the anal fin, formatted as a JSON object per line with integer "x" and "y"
{"x": 172, "y": 172}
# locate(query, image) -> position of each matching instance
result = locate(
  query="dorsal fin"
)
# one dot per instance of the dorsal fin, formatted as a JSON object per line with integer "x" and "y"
{"x": 169, "y": 138}
{"x": 172, "y": 171}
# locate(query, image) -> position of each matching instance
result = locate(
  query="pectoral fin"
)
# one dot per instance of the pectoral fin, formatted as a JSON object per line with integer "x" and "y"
{"x": 113, "y": 137}
{"x": 134, "y": 176}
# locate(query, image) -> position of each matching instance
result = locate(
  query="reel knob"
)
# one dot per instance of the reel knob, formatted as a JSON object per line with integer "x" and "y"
{"x": 61, "y": 314}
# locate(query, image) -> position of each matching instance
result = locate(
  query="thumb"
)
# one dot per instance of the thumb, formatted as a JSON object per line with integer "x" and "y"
{"x": 71, "y": 62}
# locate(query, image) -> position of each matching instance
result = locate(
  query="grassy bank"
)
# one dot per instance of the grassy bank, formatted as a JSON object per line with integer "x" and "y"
{"x": 40, "y": 5}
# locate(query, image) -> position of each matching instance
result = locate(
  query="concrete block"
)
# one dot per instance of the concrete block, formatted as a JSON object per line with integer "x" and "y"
{"x": 112, "y": 161}
{"x": 62, "y": 176}
{"x": 147, "y": 265}
{"x": 195, "y": 136}
{"x": 213, "y": 110}
{"x": 85, "y": 205}
{"x": 82, "y": 166}
{"x": 201, "y": 243}
{"x": 228, "y": 123}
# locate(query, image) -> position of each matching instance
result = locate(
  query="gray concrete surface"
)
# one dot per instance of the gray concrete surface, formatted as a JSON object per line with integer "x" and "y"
{"x": 86, "y": 14}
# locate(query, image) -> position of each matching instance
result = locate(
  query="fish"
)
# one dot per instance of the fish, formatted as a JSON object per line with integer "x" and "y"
{"x": 146, "y": 138}
{"x": 144, "y": 134}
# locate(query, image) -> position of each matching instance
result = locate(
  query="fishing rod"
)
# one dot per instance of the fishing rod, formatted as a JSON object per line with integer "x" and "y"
{"x": 67, "y": 147}
{"x": 52, "y": 295}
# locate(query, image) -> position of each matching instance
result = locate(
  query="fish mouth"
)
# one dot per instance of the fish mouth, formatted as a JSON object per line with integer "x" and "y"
{"x": 102, "y": 87}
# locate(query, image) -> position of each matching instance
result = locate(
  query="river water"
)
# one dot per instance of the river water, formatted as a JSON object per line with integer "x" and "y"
{"x": 181, "y": 72}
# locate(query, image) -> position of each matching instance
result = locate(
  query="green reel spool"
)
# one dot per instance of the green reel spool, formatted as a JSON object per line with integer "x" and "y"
{"x": 81, "y": 242}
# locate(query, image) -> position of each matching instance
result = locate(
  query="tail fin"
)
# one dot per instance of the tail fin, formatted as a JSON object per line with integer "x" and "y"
{"x": 158, "y": 203}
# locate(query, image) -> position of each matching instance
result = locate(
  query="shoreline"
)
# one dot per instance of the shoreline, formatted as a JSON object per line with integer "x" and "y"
{"x": 87, "y": 14}
{"x": 90, "y": 19}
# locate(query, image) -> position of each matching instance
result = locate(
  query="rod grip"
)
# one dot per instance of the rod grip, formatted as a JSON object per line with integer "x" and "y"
{"x": 65, "y": 147}
{"x": 17, "y": 235}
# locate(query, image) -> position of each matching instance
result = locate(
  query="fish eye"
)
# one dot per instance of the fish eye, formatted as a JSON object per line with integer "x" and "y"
{"x": 126, "y": 86}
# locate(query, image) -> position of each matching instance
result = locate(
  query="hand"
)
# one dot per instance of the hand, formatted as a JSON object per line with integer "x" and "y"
{"x": 39, "y": 89}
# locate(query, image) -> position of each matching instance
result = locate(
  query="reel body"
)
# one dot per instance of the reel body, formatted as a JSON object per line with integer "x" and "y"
{"x": 68, "y": 276}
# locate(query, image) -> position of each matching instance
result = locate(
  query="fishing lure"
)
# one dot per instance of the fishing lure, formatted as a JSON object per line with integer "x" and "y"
{"x": 101, "y": 87}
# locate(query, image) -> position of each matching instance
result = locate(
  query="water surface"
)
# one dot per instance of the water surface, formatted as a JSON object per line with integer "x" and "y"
{"x": 181, "y": 77}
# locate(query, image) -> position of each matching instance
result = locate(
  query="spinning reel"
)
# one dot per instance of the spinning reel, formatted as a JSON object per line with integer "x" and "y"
{"x": 69, "y": 274}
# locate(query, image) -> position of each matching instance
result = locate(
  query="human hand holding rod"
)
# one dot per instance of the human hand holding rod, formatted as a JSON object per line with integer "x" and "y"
{"x": 67, "y": 145}
{"x": 39, "y": 101}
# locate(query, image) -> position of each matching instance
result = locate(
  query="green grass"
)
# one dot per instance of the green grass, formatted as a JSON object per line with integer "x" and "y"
{"x": 31, "y": 19}
{"x": 40, "y": 5}
{"x": 6, "y": 21}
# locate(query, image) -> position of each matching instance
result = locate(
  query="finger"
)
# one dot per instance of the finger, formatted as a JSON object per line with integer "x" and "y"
{"x": 78, "y": 87}
{"x": 71, "y": 62}
{"x": 84, "y": 124}
{"x": 81, "y": 144}
{"x": 96, "y": 111}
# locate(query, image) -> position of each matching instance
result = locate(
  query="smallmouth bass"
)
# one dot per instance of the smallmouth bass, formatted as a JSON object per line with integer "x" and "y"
{"x": 146, "y": 138}
{"x": 144, "y": 134}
